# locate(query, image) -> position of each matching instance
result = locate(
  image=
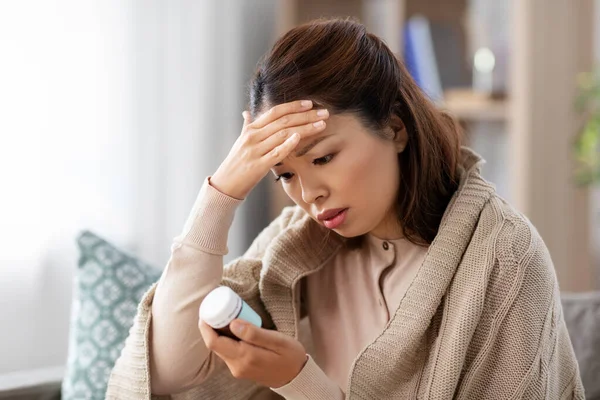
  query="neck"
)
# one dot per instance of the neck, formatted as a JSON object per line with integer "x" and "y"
{"x": 388, "y": 229}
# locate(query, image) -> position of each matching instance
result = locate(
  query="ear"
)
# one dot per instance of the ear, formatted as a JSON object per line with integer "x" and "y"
{"x": 400, "y": 134}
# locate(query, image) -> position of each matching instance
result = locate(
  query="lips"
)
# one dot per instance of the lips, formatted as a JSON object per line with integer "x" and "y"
{"x": 328, "y": 214}
{"x": 337, "y": 220}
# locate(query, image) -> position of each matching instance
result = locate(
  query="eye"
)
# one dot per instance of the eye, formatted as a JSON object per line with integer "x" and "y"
{"x": 286, "y": 177}
{"x": 323, "y": 160}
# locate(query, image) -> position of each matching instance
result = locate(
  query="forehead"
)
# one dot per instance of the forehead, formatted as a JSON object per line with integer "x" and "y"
{"x": 339, "y": 127}
{"x": 338, "y": 124}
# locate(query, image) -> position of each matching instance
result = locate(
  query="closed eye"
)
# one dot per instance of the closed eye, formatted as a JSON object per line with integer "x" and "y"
{"x": 323, "y": 160}
{"x": 317, "y": 161}
{"x": 286, "y": 177}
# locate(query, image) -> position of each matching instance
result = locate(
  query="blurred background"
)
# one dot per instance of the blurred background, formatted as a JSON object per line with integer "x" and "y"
{"x": 113, "y": 112}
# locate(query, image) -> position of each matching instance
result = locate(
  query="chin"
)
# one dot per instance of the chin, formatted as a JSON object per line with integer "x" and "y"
{"x": 349, "y": 233}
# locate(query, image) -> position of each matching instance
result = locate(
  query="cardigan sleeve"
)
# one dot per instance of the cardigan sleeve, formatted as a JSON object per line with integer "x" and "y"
{"x": 311, "y": 384}
{"x": 164, "y": 352}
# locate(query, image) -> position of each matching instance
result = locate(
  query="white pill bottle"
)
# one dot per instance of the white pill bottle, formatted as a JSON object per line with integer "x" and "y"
{"x": 221, "y": 306}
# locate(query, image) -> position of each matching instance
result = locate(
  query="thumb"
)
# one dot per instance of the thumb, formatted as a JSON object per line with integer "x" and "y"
{"x": 252, "y": 334}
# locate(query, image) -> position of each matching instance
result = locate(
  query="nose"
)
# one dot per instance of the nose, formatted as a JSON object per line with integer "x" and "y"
{"x": 312, "y": 190}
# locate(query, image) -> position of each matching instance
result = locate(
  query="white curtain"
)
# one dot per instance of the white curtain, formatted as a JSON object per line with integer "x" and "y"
{"x": 112, "y": 113}
{"x": 185, "y": 69}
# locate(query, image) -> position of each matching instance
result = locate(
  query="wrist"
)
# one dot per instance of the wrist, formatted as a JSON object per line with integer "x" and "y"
{"x": 298, "y": 371}
{"x": 221, "y": 185}
{"x": 310, "y": 383}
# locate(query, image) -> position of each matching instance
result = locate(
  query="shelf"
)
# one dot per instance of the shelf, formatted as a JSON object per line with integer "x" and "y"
{"x": 470, "y": 107}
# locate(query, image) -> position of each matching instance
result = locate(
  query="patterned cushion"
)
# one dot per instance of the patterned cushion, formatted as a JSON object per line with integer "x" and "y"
{"x": 109, "y": 285}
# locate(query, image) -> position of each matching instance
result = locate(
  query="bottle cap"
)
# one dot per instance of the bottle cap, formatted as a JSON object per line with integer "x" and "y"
{"x": 220, "y": 307}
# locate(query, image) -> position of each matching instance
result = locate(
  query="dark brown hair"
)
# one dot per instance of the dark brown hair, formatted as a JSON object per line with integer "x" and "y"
{"x": 340, "y": 66}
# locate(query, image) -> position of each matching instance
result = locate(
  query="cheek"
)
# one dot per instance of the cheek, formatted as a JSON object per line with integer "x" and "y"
{"x": 295, "y": 194}
{"x": 374, "y": 172}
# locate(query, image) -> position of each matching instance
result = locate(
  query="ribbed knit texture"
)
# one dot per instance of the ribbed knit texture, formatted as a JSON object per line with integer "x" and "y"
{"x": 481, "y": 320}
{"x": 194, "y": 232}
{"x": 311, "y": 383}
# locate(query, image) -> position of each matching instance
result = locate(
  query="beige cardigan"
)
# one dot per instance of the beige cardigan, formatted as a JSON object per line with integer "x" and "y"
{"x": 481, "y": 320}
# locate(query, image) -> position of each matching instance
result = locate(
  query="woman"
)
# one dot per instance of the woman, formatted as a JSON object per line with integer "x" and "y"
{"x": 416, "y": 278}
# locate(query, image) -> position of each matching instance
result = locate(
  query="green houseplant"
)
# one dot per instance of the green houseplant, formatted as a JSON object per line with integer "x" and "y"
{"x": 587, "y": 143}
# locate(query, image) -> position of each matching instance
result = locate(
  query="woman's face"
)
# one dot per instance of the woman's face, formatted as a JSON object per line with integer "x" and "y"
{"x": 349, "y": 168}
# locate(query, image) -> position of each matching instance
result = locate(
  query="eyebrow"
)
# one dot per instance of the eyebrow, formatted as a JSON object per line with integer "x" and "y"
{"x": 307, "y": 148}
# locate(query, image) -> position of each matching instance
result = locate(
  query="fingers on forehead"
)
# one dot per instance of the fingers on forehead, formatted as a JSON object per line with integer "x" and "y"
{"x": 282, "y": 109}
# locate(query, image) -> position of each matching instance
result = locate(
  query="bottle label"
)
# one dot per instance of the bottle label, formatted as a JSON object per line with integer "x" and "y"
{"x": 248, "y": 314}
